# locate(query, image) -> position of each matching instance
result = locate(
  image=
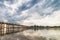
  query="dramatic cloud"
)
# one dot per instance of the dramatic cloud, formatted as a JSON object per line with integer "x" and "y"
{"x": 30, "y": 12}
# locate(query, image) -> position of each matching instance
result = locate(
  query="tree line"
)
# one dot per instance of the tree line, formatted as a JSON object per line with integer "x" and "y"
{"x": 36, "y": 27}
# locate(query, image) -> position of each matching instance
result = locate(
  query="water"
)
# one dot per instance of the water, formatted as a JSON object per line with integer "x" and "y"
{"x": 41, "y": 34}
{"x": 50, "y": 34}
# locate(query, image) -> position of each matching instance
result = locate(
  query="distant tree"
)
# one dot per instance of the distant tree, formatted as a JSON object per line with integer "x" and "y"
{"x": 35, "y": 26}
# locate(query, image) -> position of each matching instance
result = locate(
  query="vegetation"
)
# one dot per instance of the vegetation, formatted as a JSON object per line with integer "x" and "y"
{"x": 36, "y": 27}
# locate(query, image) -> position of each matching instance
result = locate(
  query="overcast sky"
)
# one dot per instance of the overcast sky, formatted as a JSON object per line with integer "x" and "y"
{"x": 31, "y": 12}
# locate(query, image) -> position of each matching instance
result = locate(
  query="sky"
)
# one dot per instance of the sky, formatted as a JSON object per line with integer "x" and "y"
{"x": 30, "y": 12}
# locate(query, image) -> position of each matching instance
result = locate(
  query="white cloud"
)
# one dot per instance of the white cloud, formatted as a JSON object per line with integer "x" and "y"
{"x": 48, "y": 10}
{"x": 36, "y": 15}
{"x": 15, "y": 5}
{"x": 24, "y": 13}
{"x": 50, "y": 20}
{"x": 32, "y": 19}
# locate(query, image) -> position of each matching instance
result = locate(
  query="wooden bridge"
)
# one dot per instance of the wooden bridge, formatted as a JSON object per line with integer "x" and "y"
{"x": 7, "y": 28}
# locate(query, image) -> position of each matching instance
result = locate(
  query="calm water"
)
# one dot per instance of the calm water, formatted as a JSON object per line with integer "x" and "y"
{"x": 47, "y": 34}
{"x": 43, "y": 34}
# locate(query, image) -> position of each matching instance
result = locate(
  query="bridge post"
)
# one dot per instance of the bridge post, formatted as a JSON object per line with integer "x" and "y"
{"x": 5, "y": 28}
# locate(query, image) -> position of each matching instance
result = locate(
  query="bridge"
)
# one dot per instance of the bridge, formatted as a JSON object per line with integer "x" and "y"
{"x": 7, "y": 28}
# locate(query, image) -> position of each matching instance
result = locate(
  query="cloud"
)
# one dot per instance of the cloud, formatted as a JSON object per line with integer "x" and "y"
{"x": 30, "y": 12}
{"x": 50, "y": 20}
{"x": 45, "y": 10}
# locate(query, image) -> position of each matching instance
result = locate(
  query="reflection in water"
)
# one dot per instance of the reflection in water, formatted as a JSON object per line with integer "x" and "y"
{"x": 50, "y": 34}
